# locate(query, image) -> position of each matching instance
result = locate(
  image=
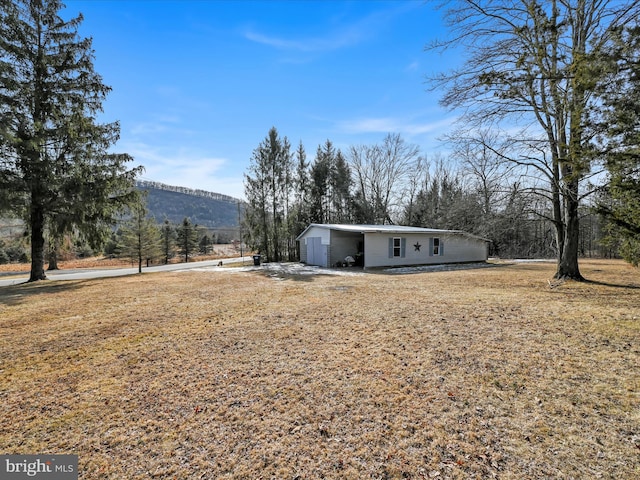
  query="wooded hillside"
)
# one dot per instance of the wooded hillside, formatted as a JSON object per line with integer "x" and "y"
{"x": 207, "y": 209}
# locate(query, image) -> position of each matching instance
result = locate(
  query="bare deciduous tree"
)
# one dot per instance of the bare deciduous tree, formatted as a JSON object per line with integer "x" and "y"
{"x": 381, "y": 173}
{"x": 533, "y": 63}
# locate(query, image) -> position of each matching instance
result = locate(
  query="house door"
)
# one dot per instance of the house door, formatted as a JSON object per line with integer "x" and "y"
{"x": 316, "y": 252}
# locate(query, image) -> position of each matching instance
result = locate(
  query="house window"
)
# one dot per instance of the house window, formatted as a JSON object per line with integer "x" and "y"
{"x": 436, "y": 246}
{"x": 397, "y": 249}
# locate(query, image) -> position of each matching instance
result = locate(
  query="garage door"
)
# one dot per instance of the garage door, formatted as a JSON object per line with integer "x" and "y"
{"x": 316, "y": 252}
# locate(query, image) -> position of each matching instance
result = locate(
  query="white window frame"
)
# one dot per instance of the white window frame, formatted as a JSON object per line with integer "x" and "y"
{"x": 397, "y": 247}
{"x": 436, "y": 246}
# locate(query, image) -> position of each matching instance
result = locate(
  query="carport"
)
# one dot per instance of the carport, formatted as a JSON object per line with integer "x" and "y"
{"x": 328, "y": 247}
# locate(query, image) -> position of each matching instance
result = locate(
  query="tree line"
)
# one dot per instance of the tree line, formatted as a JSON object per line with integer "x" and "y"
{"x": 393, "y": 182}
{"x": 144, "y": 241}
{"x": 145, "y": 184}
{"x": 548, "y": 138}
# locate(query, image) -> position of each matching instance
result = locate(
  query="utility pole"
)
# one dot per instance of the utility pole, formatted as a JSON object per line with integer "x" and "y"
{"x": 240, "y": 230}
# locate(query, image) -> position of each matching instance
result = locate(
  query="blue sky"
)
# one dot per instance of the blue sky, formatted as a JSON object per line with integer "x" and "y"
{"x": 197, "y": 84}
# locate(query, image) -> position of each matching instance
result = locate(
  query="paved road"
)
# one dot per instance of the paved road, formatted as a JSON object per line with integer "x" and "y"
{"x": 87, "y": 273}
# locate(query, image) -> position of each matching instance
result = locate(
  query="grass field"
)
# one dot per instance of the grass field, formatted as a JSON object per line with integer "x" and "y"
{"x": 479, "y": 373}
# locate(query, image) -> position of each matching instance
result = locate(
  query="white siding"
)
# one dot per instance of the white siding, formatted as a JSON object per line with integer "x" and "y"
{"x": 315, "y": 232}
{"x": 376, "y": 251}
{"x": 324, "y": 233}
{"x": 455, "y": 249}
{"x": 459, "y": 248}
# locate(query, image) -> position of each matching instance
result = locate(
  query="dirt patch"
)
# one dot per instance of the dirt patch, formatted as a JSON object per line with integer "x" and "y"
{"x": 481, "y": 373}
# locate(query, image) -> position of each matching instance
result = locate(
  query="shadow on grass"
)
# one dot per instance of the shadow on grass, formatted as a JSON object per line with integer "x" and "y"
{"x": 294, "y": 276}
{"x": 446, "y": 267}
{"x": 612, "y": 285}
{"x": 16, "y": 294}
{"x": 305, "y": 273}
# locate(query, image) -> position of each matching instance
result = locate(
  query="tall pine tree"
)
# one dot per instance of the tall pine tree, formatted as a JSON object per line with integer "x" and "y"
{"x": 620, "y": 203}
{"x": 300, "y": 214}
{"x": 140, "y": 240}
{"x": 168, "y": 240}
{"x": 330, "y": 188}
{"x": 187, "y": 238}
{"x": 55, "y": 162}
{"x": 268, "y": 188}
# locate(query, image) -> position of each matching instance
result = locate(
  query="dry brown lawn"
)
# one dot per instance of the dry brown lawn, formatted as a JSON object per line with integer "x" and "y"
{"x": 479, "y": 373}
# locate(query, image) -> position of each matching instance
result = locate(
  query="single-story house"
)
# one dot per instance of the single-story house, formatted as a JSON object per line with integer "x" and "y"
{"x": 327, "y": 245}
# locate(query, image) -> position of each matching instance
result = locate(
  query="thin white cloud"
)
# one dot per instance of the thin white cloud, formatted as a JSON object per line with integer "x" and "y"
{"x": 413, "y": 66}
{"x": 146, "y": 128}
{"x": 175, "y": 162}
{"x": 185, "y": 169}
{"x": 331, "y": 41}
{"x": 346, "y": 35}
{"x": 393, "y": 125}
{"x": 163, "y": 124}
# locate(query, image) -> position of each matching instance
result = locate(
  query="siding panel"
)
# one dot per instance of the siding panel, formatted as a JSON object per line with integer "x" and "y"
{"x": 418, "y": 250}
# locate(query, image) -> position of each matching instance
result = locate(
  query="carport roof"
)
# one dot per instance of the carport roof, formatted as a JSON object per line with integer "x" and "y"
{"x": 391, "y": 229}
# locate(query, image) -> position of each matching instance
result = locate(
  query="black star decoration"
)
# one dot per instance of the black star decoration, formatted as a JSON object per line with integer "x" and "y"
{"x": 417, "y": 246}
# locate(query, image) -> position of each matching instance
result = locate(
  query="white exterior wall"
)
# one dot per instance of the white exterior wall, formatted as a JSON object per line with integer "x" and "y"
{"x": 314, "y": 232}
{"x": 455, "y": 249}
{"x": 324, "y": 233}
{"x": 461, "y": 248}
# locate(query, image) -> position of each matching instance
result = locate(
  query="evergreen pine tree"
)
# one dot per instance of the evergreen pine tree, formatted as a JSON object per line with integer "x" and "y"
{"x": 620, "y": 203}
{"x": 140, "y": 238}
{"x": 187, "y": 238}
{"x": 268, "y": 187}
{"x": 168, "y": 240}
{"x": 55, "y": 170}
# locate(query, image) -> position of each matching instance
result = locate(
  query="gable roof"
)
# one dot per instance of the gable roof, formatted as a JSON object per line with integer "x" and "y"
{"x": 389, "y": 229}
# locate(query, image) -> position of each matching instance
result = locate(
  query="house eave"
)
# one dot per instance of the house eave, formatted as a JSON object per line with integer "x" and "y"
{"x": 386, "y": 229}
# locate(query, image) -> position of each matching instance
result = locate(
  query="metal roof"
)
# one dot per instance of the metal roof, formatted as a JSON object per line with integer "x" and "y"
{"x": 384, "y": 229}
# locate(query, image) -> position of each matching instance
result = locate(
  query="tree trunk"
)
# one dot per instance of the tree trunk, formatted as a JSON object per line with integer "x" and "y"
{"x": 53, "y": 254}
{"x": 558, "y": 220}
{"x": 37, "y": 244}
{"x": 568, "y": 260}
{"x": 264, "y": 250}
{"x": 139, "y": 223}
{"x": 53, "y": 258}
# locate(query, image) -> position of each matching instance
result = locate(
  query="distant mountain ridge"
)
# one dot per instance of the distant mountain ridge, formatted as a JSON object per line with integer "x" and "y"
{"x": 207, "y": 209}
{"x": 144, "y": 184}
